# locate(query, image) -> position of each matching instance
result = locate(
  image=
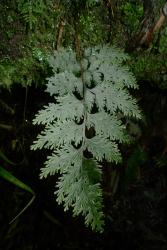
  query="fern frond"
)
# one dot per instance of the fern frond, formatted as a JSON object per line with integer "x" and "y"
{"x": 107, "y": 54}
{"x": 76, "y": 190}
{"x": 107, "y": 126}
{"x": 59, "y": 133}
{"x": 85, "y": 127}
{"x": 61, "y": 161}
{"x": 64, "y": 60}
{"x": 102, "y": 148}
{"x": 116, "y": 99}
{"x": 67, "y": 107}
{"x": 64, "y": 83}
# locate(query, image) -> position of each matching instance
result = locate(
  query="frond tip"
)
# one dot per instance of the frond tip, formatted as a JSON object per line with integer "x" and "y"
{"x": 85, "y": 125}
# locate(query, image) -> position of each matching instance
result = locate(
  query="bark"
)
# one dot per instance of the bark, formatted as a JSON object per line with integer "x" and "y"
{"x": 60, "y": 33}
{"x": 148, "y": 26}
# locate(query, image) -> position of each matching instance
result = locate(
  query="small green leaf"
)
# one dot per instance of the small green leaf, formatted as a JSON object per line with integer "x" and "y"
{"x": 11, "y": 178}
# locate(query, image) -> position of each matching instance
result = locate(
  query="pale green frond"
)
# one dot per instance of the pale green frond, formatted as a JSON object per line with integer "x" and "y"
{"x": 83, "y": 196}
{"x": 112, "y": 54}
{"x": 103, "y": 149}
{"x": 114, "y": 74}
{"x": 115, "y": 99}
{"x": 47, "y": 115}
{"x": 108, "y": 126}
{"x": 61, "y": 161}
{"x": 91, "y": 101}
{"x": 64, "y": 83}
{"x": 64, "y": 59}
{"x": 121, "y": 100}
{"x": 58, "y": 134}
{"x": 107, "y": 54}
{"x": 68, "y": 107}
{"x": 127, "y": 78}
{"x": 89, "y": 204}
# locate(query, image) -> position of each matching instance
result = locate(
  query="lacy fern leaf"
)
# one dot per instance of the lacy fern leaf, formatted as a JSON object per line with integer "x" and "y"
{"x": 85, "y": 126}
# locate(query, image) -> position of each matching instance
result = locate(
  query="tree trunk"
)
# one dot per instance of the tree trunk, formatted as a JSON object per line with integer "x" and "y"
{"x": 148, "y": 25}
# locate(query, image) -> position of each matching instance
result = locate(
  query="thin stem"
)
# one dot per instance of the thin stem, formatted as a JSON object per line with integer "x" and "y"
{"x": 25, "y": 103}
{"x": 79, "y": 58}
{"x": 60, "y": 33}
{"x": 23, "y": 210}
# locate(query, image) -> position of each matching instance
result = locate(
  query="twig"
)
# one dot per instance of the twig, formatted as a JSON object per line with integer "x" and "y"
{"x": 60, "y": 33}
{"x": 23, "y": 210}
